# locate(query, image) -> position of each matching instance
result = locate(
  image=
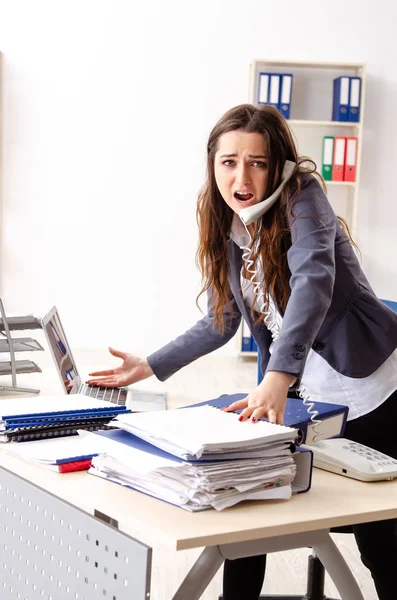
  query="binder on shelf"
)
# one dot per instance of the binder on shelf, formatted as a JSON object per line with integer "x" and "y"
{"x": 254, "y": 346}
{"x": 333, "y": 417}
{"x": 349, "y": 172}
{"x": 285, "y": 94}
{"x": 263, "y": 88}
{"x": 246, "y": 338}
{"x": 355, "y": 99}
{"x": 340, "y": 106}
{"x": 339, "y": 158}
{"x": 274, "y": 90}
{"x": 328, "y": 154}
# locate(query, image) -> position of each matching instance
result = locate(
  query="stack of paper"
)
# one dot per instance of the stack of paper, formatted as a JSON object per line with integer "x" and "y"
{"x": 197, "y": 458}
{"x": 25, "y": 419}
{"x": 204, "y": 432}
{"x": 63, "y": 454}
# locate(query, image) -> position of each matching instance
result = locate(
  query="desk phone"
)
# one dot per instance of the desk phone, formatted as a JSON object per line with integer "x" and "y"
{"x": 354, "y": 460}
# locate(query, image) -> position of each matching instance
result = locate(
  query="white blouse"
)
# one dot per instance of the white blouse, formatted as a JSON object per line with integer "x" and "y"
{"x": 322, "y": 382}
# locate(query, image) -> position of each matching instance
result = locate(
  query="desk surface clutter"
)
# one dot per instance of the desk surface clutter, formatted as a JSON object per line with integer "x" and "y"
{"x": 331, "y": 501}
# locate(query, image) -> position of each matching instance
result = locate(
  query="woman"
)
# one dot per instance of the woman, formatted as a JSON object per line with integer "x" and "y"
{"x": 317, "y": 322}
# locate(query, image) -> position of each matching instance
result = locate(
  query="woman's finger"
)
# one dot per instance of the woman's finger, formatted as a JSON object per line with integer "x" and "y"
{"x": 272, "y": 415}
{"x": 101, "y": 373}
{"x": 237, "y": 405}
{"x": 102, "y": 382}
{"x": 245, "y": 414}
{"x": 117, "y": 353}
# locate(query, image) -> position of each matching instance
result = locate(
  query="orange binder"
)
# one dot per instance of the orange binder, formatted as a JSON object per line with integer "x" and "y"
{"x": 349, "y": 173}
{"x": 339, "y": 158}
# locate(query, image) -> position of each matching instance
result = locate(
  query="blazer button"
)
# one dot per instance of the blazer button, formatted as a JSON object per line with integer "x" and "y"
{"x": 318, "y": 346}
{"x": 300, "y": 347}
{"x": 298, "y": 356}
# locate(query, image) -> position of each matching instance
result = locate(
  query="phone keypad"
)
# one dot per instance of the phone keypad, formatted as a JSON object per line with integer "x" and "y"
{"x": 381, "y": 459}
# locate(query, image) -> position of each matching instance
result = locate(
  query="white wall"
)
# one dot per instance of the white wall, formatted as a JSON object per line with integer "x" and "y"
{"x": 106, "y": 110}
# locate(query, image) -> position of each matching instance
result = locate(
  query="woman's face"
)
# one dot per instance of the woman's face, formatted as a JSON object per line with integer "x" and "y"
{"x": 241, "y": 168}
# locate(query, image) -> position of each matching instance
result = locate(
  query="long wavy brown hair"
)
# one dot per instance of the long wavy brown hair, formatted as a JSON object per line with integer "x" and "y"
{"x": 214, "y": 216}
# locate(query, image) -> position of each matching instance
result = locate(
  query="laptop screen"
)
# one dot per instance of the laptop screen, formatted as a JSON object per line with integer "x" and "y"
{"x": 61, "y": 352}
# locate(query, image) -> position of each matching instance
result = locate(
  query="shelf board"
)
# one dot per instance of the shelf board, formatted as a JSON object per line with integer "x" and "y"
{"x": 305, "y": 122}
{"x": 346, "y": 183}
{"x": 248, "y": 354}
{"x": 310, "y": 64}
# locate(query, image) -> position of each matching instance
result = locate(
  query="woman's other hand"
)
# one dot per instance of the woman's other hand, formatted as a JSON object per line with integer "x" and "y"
{"x": 267, "y": 400}
{"x": 133, "y": 369}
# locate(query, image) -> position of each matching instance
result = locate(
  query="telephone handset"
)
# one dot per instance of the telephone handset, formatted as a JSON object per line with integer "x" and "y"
{"x": 354, "y": 460}
{"x": 252, "y": 213}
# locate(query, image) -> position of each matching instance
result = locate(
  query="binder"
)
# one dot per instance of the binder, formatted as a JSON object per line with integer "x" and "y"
{"x": 328, "y": 154}
{"x": 303, "y": 457}
{"x": 285, "y": 94}
{"x": 339, "y": 158}
{"x": 263, "y": 88}
{"x": 44, "y": 432}
{"x": 333, "y": 417}
{"x": 246, "y": 338}
{"x": 340, "y": 106}
{"x": 302, "y": 482}
{"x": 42, "y": 418}
{"x": 355, "y": 99}
{"x": 56, "y": 418}
{"x": 254, "y": 346}
{"x": 349, "y": 172}
{"x": 274, "y": 90}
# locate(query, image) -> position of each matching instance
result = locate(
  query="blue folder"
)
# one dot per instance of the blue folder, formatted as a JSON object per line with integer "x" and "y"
{"x": 285, "y": 94}
{"x": 340, "y": 106}
{"x": 354, "y": 99}
{"x": 302, "y": 456}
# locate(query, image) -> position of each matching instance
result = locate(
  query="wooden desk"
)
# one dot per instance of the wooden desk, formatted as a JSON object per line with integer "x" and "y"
{"x": 251, "y": 528}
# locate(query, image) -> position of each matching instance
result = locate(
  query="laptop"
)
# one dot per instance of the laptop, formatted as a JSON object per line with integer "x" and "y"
{"x": 135, "y": 399}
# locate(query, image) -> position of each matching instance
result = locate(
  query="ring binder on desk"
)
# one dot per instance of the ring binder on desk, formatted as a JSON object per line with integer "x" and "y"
{"x": 12, "y": 345}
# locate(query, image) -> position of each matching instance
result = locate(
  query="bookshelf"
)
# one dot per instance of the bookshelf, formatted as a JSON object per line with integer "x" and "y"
{"x": 311, "y": 120}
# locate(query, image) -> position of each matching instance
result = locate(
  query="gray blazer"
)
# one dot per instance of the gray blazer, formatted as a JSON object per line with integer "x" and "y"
{"x": 332, "y": 308}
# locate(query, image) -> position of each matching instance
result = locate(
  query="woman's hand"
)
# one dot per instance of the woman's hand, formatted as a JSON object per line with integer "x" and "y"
{"x": 132, "y": 370}
{"x": 267, "y": 400}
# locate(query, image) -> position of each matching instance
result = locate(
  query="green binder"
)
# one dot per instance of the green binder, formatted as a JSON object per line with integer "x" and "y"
{"x": 328, "y": 153}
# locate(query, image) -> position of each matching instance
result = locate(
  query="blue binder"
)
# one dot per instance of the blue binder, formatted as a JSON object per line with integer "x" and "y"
{"x": 246, "y": 338}
{"x": 340, "y": 106}
{"x": 334, "y": 416}
{"x": 263, "y": 88}
{"x": 285, "y": 94}
{"x": 355, "y": 99}
{"x": 274, "y": 89}
{"x": 254, "y": 346}
{"x": 303, "y": 458}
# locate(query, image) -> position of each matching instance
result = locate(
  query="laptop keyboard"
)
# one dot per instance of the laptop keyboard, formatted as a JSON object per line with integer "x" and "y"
{"x": 116, "y": 395}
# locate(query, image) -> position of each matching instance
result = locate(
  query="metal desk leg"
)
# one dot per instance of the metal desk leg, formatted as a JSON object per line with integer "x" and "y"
{"x": 211, "y": 559}
{"x": 338, "y": 570}
{"x": 200, "y": 575}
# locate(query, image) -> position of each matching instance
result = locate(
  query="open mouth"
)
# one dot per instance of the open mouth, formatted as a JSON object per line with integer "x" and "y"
{"x": 243, "y": 196}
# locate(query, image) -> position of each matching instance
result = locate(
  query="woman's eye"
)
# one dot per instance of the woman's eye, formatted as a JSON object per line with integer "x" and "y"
{"x": 229, "y": 163}
{"x": 260, "y": 164}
